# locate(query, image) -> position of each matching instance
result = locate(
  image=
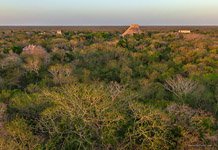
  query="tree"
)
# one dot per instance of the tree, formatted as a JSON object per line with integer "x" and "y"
{"x": 10, "y": 70}
{"x": 17, "y": 49}
{"x": 61, "y": 74}
{"x": 180, "y": 86}
{"x": 34, "y": 58}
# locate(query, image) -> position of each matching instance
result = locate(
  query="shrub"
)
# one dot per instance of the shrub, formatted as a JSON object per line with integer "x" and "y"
{"x": 83, "y": 116}
{"x": 34, "y": 57}
{"x": 5, "y": 95}
{"x": 20, "y": 134}
{"x": 10, "y": 71}
{"x": 61, "y": 74}
{"x": 180, "y": 86}
{"x": 27, "y": 106}
{"x": 196, "y": 126}
{"x": 150, "y": 130}
{"x": 17, "y": 49}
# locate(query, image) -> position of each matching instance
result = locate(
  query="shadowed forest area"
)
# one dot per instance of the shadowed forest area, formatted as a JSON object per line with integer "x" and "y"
{"x": 90, "y": 88}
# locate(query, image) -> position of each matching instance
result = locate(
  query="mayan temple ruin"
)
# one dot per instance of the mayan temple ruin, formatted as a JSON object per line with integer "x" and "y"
{"x": 133, "y": 29}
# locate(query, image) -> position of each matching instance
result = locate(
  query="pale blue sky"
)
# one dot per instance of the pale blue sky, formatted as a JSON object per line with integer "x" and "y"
{"x": 108, "y": 12}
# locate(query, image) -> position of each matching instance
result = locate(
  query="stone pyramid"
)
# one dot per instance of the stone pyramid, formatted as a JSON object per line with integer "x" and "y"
{"x": 133, "y": 29}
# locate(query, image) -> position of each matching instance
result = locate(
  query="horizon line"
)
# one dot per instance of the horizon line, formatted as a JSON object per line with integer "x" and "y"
{"x": 96, "y": 25}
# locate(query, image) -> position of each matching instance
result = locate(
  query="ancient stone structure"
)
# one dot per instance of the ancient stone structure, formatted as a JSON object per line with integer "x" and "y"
{"x": 133, "y": 29}
{"x": 184, "y": 31}
{"x": 59, "y": 32}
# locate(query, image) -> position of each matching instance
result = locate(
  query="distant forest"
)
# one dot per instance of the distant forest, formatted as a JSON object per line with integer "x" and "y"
{"x": 90, "y": 88}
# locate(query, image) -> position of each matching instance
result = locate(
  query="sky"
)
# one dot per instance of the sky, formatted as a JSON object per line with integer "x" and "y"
{"x": 108, "y": 12}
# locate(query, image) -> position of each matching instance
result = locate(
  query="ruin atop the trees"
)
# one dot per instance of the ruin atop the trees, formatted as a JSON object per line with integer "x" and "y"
{"x": 133, "y": 29}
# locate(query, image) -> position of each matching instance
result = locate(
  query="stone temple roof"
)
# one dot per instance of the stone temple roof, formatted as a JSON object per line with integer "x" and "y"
{"x": 133, "y": 29}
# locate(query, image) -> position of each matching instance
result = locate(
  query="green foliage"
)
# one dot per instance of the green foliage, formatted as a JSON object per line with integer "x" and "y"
{"x": 97, "y": 90}
{"x": 20, "y": 134}
{"x": 85, "y": 117}
{"x": 27, "y": 106}
{"x": 192, "y": 122}
{"x": 6, "y": 95}
{"x": 150, "y": 130}
{"x": 17, "y": 49}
